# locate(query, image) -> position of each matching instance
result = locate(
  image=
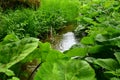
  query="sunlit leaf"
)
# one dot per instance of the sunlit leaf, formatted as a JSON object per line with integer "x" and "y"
{"x": 54, "y": 55}
{"x": 14, "y": 78}
{"x": 44, "y": 49}
{"x": 65, "y": 70}
{"x": 76, "y": 52}
{"x": 7, "y": 71}
{"x": 17, "y": 51}
{"x": 87, "y": 40}
{"x": 11, "y": 38}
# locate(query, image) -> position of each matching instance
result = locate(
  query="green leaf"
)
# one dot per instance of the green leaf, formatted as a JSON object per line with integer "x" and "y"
{"x": 26, "y": 50}
{"x": 114, "y": 78}
{"x": 117, "y": 55}
{"x": 115, "y": 73}
{"x": 14, "y": 52}
{"x": 76, "y": 52}
{"x": 100, "y": 38}
{"x": 65, "y": 70}
{"x": 95, "y": 49}
{"x": 44, "y": 49}
{"x": 10, "y": 38}
{"x": 54, "y": 55}
{"x": 6, "y": 71}
{"x": 109, "y": 64}
{"x": 87, "y": 40}
{"x": 14, "y": 78}
{"x": 89, "y": 20}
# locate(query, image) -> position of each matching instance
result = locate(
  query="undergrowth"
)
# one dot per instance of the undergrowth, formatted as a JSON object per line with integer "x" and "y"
{"x": 95, "y": 57}
{"x": 52, "y": 14}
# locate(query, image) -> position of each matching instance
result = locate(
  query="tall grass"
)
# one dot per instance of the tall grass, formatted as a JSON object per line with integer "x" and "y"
{"x": 68, "y": 9}
{"x": 27, "y": 22}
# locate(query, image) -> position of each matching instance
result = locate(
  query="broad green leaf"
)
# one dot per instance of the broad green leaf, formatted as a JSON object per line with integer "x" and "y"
{"x": 7, "y": 71}
{"x": 44, "y": 49}
{"x": 100, "y": 38}
{"x": 43, "y": 52}
{"x": 54, "y": 55}
{"x": 117, "y": 55}
{"x": 87, "y": 40}
{"x": 11, "y": 38}
{"x": 14, "y": 78}
{"x": 115, "y": 41}
{"x": 109, "y": 64}
{"x": 14, "y": 52}
{"x": 90, "y": 59}
{"x": 76, "y": 52}
{"x": 65, "y": 70}
{"x": 95, "y": 49}
{"x": 26, "y": 50}
{"x": 35, "y": 55}
{"x": 114, "y": 73}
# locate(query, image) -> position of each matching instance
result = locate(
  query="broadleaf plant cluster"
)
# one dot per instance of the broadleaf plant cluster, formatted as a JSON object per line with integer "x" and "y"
{"x": 99, "y": 21}
{"x": 54, "y": 64}
{"x": 95, "y": 57}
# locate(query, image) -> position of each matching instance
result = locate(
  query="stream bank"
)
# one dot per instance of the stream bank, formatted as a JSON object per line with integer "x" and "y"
{"x": 62, "y": 41}
{"x": 65, "y": 38}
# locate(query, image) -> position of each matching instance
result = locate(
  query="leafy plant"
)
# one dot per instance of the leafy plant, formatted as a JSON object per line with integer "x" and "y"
{"x": 65, "y": 70}
{"x": 13, "y": 50}
{"x": 21, "y": 51}
{"x": 96, "y": 57}
{"x": 111, "y": 66}
{"x": 99, "y": 19}
{"x": 58, "y": 66}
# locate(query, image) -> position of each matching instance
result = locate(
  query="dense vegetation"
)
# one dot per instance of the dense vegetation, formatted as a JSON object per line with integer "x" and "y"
{"x": 95, "y": 57}
{"x": 28, "y": 22}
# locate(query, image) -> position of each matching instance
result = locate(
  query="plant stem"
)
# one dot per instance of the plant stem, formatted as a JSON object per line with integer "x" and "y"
{"x": 34, "y": 71}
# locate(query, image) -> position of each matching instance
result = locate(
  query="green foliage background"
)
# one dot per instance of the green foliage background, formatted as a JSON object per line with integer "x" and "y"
{"x": 28, "y": 22}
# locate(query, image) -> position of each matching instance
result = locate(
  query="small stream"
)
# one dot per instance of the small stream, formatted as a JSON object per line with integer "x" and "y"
{"x": 67, "y": 41}
{"x": 62, "y": 42}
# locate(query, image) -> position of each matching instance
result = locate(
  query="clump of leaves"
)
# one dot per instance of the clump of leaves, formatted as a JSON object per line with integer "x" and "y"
{"x": 100, "y": 20}
{"x": 65, "y": 69}
{"x": 13, "y": 51}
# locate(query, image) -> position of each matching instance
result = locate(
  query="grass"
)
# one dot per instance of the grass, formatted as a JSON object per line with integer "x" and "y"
{"x": 27, "y": 22}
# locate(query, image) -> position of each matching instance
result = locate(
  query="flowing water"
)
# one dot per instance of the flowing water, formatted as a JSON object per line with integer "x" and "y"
{"x": 62, "y": 42}
{"x": 67, "y": 41}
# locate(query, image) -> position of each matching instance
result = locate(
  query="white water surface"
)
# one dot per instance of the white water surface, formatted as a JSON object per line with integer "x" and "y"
{"x": 67, "y": 41}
